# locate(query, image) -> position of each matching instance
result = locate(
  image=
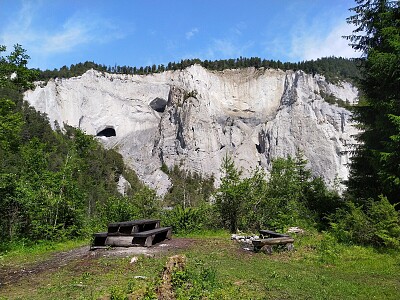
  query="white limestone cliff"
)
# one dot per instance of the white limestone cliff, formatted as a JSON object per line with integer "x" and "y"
{"x": 195, "y": 117}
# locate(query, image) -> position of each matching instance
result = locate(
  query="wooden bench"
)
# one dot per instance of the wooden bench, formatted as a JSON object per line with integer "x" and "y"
{"x": 271, "y": 234}
{"x": 271, "y": 238}
{"x": 266, "y": 245}
{"x": 130, "y": 227}
{"x": 99, "y": 239}
{"x": 150, "y": 237}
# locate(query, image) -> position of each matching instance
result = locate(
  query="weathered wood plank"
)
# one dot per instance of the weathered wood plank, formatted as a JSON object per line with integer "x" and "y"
{"x": 149, "y": 240}
{"x": 129, "y": 227}
{"x": 119, "y": 241}
{"x": 151, "y": 237}
{"x": 272, "y": 234}
{"x": 273, "y": 241}
{"x": 99, "y": 239}
{"x": 135, "y": 222}
{"x": 266, "y": 245}
{"x": 152, "y": 232}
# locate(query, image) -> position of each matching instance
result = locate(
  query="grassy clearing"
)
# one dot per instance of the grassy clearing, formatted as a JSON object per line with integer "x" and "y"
{"x": 318, "y": 269}
{"x": 22, "y": 253}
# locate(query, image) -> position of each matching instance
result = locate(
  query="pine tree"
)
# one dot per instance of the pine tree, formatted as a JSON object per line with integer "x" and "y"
{"x": 376, "y": 161}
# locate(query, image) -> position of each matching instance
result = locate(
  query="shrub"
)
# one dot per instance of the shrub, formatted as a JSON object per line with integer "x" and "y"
{"x": 376, "y": 223}
{"x": 291, "y": 197}
{"x": 386, "y": 223}
{"x": 189, "y": 219}
{"x": 231, "y": 197}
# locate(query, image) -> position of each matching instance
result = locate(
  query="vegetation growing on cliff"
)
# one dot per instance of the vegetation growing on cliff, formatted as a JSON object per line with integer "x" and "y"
{"x": 333, "y": 68}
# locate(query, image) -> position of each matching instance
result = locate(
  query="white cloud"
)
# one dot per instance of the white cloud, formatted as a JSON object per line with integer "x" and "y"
{"x": 80, "y": 29}
{"x": 191, "y": 33}
{"x": 70, "y": 37}
{"x": 309, "y": 44}
{"x": 18, "y": 30}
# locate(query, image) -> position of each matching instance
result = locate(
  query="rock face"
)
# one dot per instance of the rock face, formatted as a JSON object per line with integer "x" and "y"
{"x": 195, "y": 117}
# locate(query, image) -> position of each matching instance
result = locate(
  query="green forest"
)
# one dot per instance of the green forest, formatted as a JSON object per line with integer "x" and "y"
{"x": 333, "y": 68}
{"x": 62, "y": 184}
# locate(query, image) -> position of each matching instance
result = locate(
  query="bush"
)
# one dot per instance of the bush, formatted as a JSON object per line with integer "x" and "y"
{"x": 189, "y": 219}
{"x": 291, "y": 197}
{"x": 141, "y": 205}
{"x": 231, "y": 197}
{"x": 376, "y": 223}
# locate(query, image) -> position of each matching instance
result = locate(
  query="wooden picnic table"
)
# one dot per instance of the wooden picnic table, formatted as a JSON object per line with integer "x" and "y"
{"x": 145, "y": 232}
{"x": 130, "y": 227}
{"x": 143, "y": 238}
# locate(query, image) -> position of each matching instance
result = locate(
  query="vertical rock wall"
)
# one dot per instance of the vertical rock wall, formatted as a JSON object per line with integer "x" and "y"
{"x": 195, "y": 117}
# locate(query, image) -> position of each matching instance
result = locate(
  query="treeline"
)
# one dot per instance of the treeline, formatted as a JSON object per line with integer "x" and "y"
{"x": 333, "y": 68}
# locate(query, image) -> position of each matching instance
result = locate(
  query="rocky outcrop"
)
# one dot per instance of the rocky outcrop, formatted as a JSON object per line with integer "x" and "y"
{"x": 195, "y": 117}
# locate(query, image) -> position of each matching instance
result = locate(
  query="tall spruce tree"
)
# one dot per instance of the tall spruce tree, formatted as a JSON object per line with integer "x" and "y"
{"x": 376, "y": 161}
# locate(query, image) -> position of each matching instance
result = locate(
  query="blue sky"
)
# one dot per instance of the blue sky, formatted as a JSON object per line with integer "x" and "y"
{"x": 146, "y": 32}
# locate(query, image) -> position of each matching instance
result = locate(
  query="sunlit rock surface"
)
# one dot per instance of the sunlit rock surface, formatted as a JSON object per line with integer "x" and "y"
{"x": 195, "y": 117}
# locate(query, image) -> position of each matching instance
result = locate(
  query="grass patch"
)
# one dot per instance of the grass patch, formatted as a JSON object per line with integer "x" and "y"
{"x": 217, "y": 268}
{"x": 22, "y": 253}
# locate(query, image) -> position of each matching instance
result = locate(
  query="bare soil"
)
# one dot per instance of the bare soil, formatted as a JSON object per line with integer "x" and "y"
{"x": 11, "y": 275}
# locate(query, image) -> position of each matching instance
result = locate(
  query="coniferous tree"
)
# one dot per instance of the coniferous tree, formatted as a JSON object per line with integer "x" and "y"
{"x": 375, "y": 165}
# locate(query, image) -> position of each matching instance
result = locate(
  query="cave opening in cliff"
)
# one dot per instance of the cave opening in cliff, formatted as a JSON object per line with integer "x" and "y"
{"x": 158, "y": 104}
{"x": 107, "y": 132}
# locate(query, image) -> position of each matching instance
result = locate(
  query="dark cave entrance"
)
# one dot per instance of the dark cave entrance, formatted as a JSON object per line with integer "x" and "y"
{"x": 107, "y": 132}
{"x": 158, "y": 104}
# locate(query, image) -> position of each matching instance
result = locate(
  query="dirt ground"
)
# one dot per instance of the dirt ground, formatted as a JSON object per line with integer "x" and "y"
{"x": 60, "y": 259}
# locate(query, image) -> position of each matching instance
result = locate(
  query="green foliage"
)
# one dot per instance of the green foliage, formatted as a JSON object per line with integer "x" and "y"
{"x": 328, "y": 249}
{"x": 141, "y": 204}
{"x": 117, "y": 209}
{"x": 294, "y": 198}
{"x": 189, "y": 189}
{"x": 332, "y": 99}
{"x": 375, "y": 223}
{"x": 375, "y": 168}
{"x": 291, "y": 197}
{"x": 196, "y": 281}
{"x": 286, "y": 189}
{"x": 189, "y": 219}
{"x": 333, "y": 68}
{"x": 55, "y": 184}
{"x": 231, "y": 196}
{"x": 13, "y": 71}
{"x": 256, "y": 208}
{"x": 10, "y": 125}
{"x": 190, "y": 94}
{"x": 117, "y": 293}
